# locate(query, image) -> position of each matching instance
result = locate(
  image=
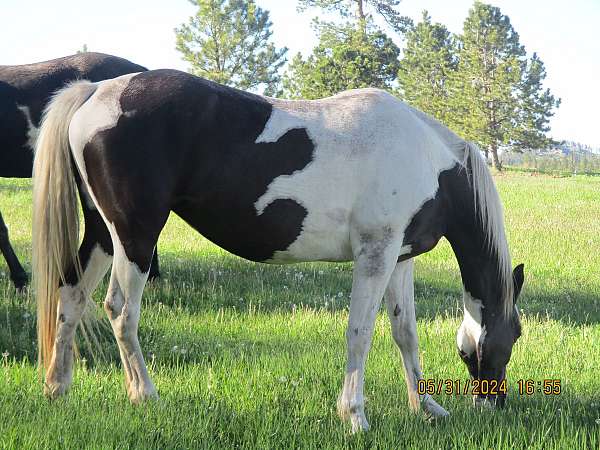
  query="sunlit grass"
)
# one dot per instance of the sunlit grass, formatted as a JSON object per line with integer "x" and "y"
{"x": 252, "y": 356}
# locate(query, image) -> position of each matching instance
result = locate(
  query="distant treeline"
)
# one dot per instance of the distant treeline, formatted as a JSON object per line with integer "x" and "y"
{"x": 554, "y": 163}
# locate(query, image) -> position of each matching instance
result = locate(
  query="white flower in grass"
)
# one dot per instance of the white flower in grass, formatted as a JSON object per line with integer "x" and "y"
{"x": 340, "y": 294}
{"x": 5, "y": 354}
{"x": 598, "y": 421}
{"x": 321, "y": 272}
{"x": 282, "y": 379}
{"x": 175, "y": 348}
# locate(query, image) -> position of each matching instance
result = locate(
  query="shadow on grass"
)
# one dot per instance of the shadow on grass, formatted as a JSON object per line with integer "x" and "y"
{"x": 199, "y": 283}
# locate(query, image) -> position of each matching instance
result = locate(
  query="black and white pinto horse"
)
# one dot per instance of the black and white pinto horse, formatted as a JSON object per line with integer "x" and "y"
{"x": 24, "y": 93}
{"x": 358, "y": 177}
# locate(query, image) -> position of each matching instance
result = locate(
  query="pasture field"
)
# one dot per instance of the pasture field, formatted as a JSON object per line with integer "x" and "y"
{"x": 252, "y": 356}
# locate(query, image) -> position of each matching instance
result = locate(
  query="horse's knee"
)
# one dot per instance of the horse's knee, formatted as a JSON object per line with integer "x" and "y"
{"x": 113, "y": 303}
{"x": 404, "y": 335}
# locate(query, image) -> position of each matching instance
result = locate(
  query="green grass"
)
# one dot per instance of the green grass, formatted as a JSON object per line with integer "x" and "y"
{"x": 252, "y": 356}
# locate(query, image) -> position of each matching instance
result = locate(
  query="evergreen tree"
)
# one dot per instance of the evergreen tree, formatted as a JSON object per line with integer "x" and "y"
{"x": 353, "y": 55}
{"x": 383, "y": 8}
{"x": 489, "y": 72}
{"x": 428, "y": 62}
{"x": 536, "y": 107}
{"x": 345, "y": 58}
{"x": 496, "y": 97}
{"x": 228, "y": 41}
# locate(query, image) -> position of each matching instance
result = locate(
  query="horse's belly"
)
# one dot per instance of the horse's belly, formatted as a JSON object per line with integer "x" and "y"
{"x": 325, "y": 236}
{"x": 283, "y": 233}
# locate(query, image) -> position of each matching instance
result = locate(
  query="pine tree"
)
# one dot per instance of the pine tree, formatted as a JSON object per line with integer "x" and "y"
{"x": 228, "y": 41}
{"x": 383, "y": 8}
{"x": 345, "y": 58}
{"x": 497, "y": 97}
{"x": 489, "y": 72}
{"x": 536, "y": 107}
{"x": 352, "y": 55}
{"x": 428, "y": 62}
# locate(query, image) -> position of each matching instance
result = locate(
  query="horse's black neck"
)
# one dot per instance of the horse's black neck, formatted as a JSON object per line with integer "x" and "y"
{"x": 478, "y": 262}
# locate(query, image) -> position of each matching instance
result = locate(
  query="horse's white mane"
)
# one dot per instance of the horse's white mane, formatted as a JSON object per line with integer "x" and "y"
{"x": 488, "y": 205}
{"x": 487, "y": 202}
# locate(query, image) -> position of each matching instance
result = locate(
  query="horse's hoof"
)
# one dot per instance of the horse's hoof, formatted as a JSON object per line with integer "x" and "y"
{"x": 20, "y": 282}
{"x": 138, "y": 397}
{"x": 52, "y": 391}
{"x": 359, "y": 423}
{"x": 432, "y": 410}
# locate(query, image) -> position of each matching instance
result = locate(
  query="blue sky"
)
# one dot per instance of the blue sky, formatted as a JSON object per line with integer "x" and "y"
{"x": 564, "y": 34}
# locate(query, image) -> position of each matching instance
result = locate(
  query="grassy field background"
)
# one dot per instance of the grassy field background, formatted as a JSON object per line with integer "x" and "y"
{"x": 252, "y": 356}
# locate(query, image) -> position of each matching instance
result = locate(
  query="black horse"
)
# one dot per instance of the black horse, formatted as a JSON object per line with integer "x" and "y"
{"x": 24, "y": 93}
{"x": 357, "y": 177}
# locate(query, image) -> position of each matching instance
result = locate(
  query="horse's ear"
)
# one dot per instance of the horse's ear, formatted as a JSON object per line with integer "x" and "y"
{"x": 518, "y": 279}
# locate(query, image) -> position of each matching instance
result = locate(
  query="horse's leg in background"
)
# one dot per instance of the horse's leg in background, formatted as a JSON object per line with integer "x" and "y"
{"x": 95, "y": 254}
{"x": 154, "y": 270}
{"x": 17, "y": 274}
{"x": 122, "y": 305}
{"x": 400, "y": 303}
{"x": 374, "y": 261}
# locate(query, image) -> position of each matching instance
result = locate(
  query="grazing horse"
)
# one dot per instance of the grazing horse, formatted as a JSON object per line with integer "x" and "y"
{"x": 24, "y": 93}
{"x": 360, "y": 177}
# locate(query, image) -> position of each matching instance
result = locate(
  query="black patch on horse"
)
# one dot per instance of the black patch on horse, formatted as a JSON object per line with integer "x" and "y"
{"x": 429, "y": 224}
{"x": 189, "y": 145}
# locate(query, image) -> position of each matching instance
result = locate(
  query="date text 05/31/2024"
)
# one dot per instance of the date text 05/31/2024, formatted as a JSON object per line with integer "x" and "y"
{"x": 486, "y": 387}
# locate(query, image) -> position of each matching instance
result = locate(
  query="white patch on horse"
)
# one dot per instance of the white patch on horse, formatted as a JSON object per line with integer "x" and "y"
{"x": 32, "y": 130}
{"x": 470, "y": 332}
{"x": 100, "y": 112}
{"x": 95, "y": 269}
{"x": 375, "y": 163}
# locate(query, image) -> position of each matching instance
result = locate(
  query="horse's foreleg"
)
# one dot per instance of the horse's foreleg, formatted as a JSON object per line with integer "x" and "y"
{"x": 400, "y": 304}
{"x": 374, "y": 262}
{"x": 17, "y": 274}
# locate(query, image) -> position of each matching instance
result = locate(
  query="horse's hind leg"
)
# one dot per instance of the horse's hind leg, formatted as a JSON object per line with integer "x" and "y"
{"x": 17, "y": 274}
{"x": 399, "y": 298}
{"x": 122, "y": 305}
{"x": 95, "y": 254}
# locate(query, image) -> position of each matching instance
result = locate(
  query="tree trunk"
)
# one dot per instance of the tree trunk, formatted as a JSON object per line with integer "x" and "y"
{"x": 360, "y": 12}
{"x": 495, "y": 159}
{"x": 360, "y": 17}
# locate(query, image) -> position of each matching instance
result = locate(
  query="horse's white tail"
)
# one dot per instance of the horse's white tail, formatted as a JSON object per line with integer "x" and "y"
{"x": 55, "y": 210}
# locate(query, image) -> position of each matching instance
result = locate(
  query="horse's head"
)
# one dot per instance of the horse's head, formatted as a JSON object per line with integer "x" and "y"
{"x": 485, "y": 340}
